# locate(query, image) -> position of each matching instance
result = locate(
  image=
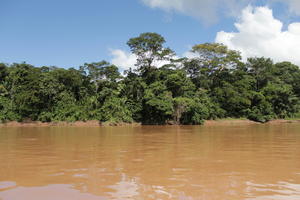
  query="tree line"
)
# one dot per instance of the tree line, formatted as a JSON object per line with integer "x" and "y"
{"x": 214, "y": 83}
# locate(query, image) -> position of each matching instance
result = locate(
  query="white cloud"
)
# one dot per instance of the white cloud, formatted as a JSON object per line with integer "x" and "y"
{"x": 294, "y": 5}
{"x": 190, "y": 54}
{"x": 260, "y": 34}
{"x": 210, "y": 10}
{"x": 123, "y": 59}
{"x": 202, "y": 9}
{"x": 126, "y": 60}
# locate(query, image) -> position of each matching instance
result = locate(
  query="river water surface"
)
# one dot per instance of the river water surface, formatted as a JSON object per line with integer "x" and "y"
{"x": 251, "y": 162}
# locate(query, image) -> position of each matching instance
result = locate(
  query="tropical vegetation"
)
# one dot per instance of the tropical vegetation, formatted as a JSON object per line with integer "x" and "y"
{"x": 215, "y": 82}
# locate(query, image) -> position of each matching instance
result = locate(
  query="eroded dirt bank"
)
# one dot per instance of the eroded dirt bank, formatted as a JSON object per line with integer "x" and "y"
{"x": 95, "y": 123}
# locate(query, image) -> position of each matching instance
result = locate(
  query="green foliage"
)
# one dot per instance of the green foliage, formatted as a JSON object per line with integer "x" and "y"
{"x": 282, "y": 99}
{"x": 215, "y": 83}
{"x": 158, "y": 103}
{"x": 7, "y": 110}
{"x": 261, "y": 110}
{"x": 201, "y": 108}
{"x": 261, "y": 70}
{"x": 23, "y": 85}
{"x": 149, "y": 49}
{"x": 115, "y": 109}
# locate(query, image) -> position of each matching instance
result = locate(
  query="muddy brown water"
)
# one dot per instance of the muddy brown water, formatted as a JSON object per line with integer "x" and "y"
{"x": 249, "y": 162}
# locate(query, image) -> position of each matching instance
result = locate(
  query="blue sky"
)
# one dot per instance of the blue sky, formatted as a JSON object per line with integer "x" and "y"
{"x": 68, "y": 33}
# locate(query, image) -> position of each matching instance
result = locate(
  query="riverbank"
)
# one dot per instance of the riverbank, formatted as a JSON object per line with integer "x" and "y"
{"x": 92, "y": 123}
{"x": 95, "y": 123}
{"x": 246, "y": 122}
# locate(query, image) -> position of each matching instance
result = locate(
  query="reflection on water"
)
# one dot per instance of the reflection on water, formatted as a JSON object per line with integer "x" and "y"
{"x": 280, "y": 190}
{"x": 256, "y": 162}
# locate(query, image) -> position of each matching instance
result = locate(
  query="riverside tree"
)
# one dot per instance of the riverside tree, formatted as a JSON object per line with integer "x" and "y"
{"x": 214, "y": 83}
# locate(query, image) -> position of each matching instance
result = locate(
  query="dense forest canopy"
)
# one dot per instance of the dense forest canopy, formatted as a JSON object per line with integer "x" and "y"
{"x": 215, "y": 83}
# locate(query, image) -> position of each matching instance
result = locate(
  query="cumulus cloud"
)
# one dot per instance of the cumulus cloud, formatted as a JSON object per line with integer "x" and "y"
{"x": 260, "y": 34}
{"x": 126, "y": 60}
{"x": 123, "y": 59}
{"x": 201, "y": 9}
{"x": 209, "y": 10}
{"x": 294, "y": 5}
{"x": 190, "y": 54}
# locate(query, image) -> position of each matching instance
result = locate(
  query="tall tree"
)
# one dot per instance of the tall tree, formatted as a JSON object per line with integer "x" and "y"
{"x": 210, "y": 63}
{"x": 149, "y": 49}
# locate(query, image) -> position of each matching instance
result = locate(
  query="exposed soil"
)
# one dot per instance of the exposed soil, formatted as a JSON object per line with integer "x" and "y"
{"x": 95, "y": 123}
{"x": 222, "y": 122}
{"x": 283, "y": 121}
{"x": 245, "y": 122}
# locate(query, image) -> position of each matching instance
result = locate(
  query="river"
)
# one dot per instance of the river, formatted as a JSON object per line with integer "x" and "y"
{"x": 249, "y": 162}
